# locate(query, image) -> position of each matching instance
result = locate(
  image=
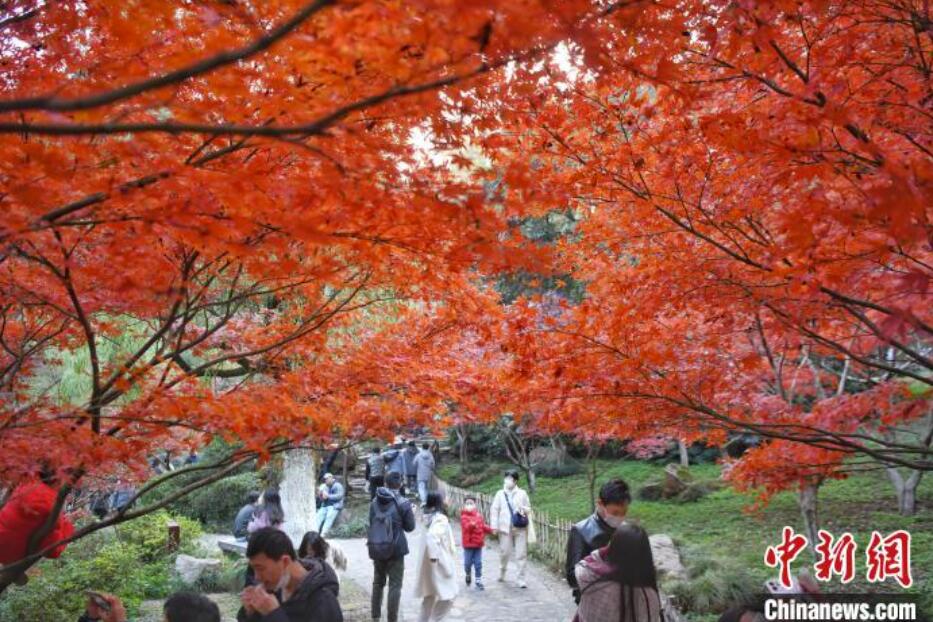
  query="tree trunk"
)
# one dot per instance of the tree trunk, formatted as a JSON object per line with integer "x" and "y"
{"x": 560, "y": 450}
{"x": 906, "y": 490}
{"x": 807, "y": 499}
{"x": 591, "y": 476}
{"x": 463, "y": 436}
{"x": 532, "y": 479}
{"x": 298, "y": 493}
{"x": 684, "y": 455}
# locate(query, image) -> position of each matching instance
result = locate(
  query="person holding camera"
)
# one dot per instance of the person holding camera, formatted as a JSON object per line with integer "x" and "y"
{"x": 509, "y": 516}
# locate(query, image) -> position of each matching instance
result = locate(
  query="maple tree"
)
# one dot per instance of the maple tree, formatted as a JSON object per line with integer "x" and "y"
{"x": 754, "y": 189}
{"x": 231, "y": 192}
{"x": 234, "y": 193}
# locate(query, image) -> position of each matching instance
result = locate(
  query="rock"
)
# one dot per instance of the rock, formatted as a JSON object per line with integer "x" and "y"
{"x": 190, "y": 568}
{"x": 676, "y": 480}
{"x": 667, "y": 557}
{"x": 650, "y": 492}
{"x": 547, "y": 455}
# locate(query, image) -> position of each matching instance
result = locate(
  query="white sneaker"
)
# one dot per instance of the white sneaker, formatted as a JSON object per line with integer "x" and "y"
{"x": 522, "y": 584}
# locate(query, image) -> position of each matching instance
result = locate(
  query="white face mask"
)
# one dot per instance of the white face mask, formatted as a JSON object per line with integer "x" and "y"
{"x": 469, "y": 507}
{"x": 283, "y": 581}
{"x": 509, "y": 483}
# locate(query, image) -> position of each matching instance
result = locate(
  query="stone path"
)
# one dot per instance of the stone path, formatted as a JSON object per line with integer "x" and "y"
{"x": 547, "y": 598}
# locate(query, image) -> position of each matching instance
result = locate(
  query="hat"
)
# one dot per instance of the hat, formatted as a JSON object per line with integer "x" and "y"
{"x": 328, "y": 476}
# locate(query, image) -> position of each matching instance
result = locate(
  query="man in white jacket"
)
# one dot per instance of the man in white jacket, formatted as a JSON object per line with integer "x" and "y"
{"x": 513, "y": 541}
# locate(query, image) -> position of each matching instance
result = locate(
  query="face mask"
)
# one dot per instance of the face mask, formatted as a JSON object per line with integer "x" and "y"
{"x": 283, "y": 581}
{"x": 469, "y": 507}
{"x": 509, "y": 483}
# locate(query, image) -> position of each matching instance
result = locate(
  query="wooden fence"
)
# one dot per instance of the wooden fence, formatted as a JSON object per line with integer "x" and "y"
{"x": 552, "y": 533}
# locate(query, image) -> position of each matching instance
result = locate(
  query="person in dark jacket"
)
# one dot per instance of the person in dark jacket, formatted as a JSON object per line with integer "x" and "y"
{"x": 595, "y": 532}
{"x": 242, "y": 517}
{"x": 393, "y": 569}
{"x": 375, "y": 472}
{"x": 287, "y": 590}
{"x": 395, "y": 463}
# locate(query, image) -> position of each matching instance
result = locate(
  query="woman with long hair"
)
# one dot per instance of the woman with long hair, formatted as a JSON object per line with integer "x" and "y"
{"x": 269, "y": 514}
{"x": 313, "y": 545}
{"x": 618, "y": 583}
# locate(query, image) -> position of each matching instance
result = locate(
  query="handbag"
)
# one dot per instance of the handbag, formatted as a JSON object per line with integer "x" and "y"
{"x": 519, "y": 521}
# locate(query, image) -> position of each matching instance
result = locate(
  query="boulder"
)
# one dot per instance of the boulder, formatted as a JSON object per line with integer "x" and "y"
{"x": 667, "y": 557}
{"x": 547, "y": 455}
{"x": 650, "y": 492}
{"x": 676, "y": 480}
{"x": 191, "y": 568}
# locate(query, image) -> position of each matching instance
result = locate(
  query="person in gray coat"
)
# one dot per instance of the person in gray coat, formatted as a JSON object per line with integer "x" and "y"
{"x": 424, "y": 469}
{"x": 375, "y": 472}
{"x": 411, "y": 450}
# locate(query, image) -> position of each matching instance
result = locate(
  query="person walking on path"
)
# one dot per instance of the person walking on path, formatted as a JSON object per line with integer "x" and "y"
{"x": 437, "y": 578}
{"x": 395, "y": 463}
{"x": 411, "y": 451}
{"x": 390, "y": 517}
{"x": 509, "y": 517}
{"x": 424, "y": 469}
{"x": 473, "y": 530}
{"x": 595, "y": 531}
{"x": 330, "y": 502}
{"x": 618, "y": 583}
{"x": 375, "y": 472}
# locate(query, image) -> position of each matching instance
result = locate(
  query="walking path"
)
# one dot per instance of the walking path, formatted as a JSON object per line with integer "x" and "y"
{"x": 546, "y": 599}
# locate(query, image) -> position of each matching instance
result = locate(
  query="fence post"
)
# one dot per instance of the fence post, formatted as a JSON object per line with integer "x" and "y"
{"x": 174, "y": 535}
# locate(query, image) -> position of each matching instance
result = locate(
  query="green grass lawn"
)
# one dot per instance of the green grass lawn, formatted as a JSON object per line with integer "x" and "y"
{"x": 722, "y": 526}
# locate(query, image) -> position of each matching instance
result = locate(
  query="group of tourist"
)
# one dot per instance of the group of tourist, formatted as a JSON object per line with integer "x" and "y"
{"x": 414, "y": 466}
{"x": 609, "y": 564}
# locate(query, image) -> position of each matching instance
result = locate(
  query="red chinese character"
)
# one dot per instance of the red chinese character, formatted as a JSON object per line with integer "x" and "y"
{"x": 838, "y": 558}
{"x": 889, "y": 557}
{"x": 787, "y": 551}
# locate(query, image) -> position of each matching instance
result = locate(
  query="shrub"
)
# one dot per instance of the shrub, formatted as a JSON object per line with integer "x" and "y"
{"x": 555, "y": 470}
{"x": 355, "y": 527}
{"x": 56, "y": 588}
{"x": 715, "y": 584}
{"x": 150, "y": 534}
{"x": 473, "y": 473}
{"x": 215, "y": 504}
{"x": 229, "y": 577}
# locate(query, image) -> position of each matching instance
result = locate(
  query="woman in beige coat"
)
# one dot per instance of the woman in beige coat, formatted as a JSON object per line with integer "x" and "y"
{"x": 437, "y": 583}
{"x": 513, "y": 541}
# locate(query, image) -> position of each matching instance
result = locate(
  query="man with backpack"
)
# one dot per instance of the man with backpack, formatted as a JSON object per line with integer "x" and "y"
{"x": 390, "y": 516}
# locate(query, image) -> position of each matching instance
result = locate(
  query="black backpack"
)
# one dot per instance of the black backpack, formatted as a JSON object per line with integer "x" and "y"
{"x": 381, "y": 536}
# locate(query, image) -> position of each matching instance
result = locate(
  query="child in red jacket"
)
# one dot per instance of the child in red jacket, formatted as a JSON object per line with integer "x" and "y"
{"x": 473, "y": 529}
